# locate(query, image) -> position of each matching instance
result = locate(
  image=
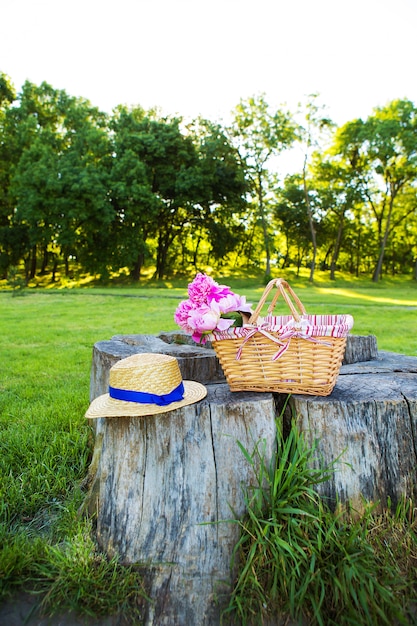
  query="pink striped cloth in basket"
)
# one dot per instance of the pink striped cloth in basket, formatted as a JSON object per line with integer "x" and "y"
{"x": 286, "y": 327}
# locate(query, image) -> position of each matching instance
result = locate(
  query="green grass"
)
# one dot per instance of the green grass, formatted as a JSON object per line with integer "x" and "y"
{"x": 298, "y": 559}
{"x": 46, "y": 444}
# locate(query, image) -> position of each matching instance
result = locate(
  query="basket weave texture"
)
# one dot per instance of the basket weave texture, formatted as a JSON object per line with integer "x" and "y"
{"x": 295, "y": 353}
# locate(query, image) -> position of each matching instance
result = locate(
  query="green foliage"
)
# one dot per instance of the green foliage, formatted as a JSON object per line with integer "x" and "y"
{"x": 261, "y": 134}
{"x": 132, "y": 190}
{"x": 296, "y": 558}
{"x": 380, "y": 154}
{"x": 15, "y": 280}
{"x": 7, "y": 90}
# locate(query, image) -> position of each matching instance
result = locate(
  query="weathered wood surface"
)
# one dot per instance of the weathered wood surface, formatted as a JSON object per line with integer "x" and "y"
{"x": 166, "y": 483}
{"x": 360, "y": 348}
{"x": 156, "y": 481}
{"x": 196, "y": 363}
{"x": 369, "y": 423}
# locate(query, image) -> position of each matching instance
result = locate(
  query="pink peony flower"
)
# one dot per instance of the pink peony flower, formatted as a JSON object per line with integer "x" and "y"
{"x": 224, "y": 324}
{"x": 204, "y": 290}
{"x": 198, "y": 337}
{"x": 203, "y": 320}
{"x": 182, "y": 314}
{"x": 207, "y": 302}
{"x": 234, "y": 302}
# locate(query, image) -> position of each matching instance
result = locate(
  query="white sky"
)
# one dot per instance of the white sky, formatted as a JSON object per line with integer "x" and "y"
{"x": 193, "y": 57}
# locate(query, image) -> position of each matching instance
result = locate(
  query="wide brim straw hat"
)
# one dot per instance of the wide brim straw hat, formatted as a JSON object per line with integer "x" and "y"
{"x": 145, "y": 384}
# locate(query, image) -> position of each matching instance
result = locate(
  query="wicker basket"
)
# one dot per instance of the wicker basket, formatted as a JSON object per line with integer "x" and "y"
{"x": 296, "y": 353}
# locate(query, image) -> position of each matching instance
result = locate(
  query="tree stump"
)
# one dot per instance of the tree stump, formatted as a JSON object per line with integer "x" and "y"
{"x": 161, "y": 486}
{"x": 360, "y": 348}
{"x": 196, "y": 363}
{"x": 165, "y": 489}
{"x": 369, "y": 423}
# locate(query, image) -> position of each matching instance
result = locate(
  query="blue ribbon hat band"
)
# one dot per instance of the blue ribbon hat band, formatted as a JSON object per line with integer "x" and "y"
{"x": 176, "y": 395}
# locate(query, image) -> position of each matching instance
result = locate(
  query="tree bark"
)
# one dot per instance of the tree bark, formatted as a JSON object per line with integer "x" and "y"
{"x": 168, "y": 487}
{"x": 368, "y": 427}
{"x": 265, "y": 233}
{"x": 337, "y": 245}
{"x": 163, "y": 487}
{"x": 360, "y": 348}
{"x": 137, "y": 267}
{"x": 33, "y": 262}
{"x": 383, "y": 242}
{"x": 310, "y": 221}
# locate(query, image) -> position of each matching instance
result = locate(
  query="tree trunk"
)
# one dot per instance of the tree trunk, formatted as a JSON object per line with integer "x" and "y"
{"x": 33, "y": 260}
{"x": 336, "y": 248}
{"x": 137, "y": 267}
{"x": 195, "y": 253}
{"x": 166, "y": 236}
{"x": 45, "y": 256}
{"x": 378, "y": 269}
{"x": 54, "y": 268}
{"x": 310, "y": 221}
{"x": 264, "y": 226}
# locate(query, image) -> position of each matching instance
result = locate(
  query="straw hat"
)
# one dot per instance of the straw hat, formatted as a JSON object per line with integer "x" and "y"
{"x": 145, "y": 384}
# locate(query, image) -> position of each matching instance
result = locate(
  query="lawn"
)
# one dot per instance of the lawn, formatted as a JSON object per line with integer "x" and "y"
{"x": 45, "y": 442}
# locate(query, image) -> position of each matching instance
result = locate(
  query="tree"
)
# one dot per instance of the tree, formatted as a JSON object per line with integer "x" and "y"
{"x": 315, "y": 122}
{"x": 155, "y": 184}
{"x": 219, "y": 203}
{"x": 83, "y": 211}
{"x": 32, "y": 144}
{"x": 339, "y": 199}
{"x": 135, "y": 204}
{"x": 35, "y": 199}
{"x": 260, "y": 135}
{"x": 290, "y": 211}
{"x": 383, "y": 153}
{"x": 59, "y": 183}
{"x": 175, "y": 185}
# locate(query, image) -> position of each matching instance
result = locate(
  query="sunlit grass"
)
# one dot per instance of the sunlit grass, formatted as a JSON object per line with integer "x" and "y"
{"x": 387, "y": 309}
{"x": 368, "y": 297}
{"x": 45, "y": 442}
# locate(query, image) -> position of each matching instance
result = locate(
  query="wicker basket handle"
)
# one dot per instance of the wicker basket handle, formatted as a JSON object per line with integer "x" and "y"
{"x": 283, "y": 288}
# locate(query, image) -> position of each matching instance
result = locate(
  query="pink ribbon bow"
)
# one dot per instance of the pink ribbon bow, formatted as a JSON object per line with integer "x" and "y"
{"x": 287, "y": 334}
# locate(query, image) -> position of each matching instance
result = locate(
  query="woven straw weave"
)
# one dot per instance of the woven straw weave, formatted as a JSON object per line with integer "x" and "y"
{"x": 270, "y": 355}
